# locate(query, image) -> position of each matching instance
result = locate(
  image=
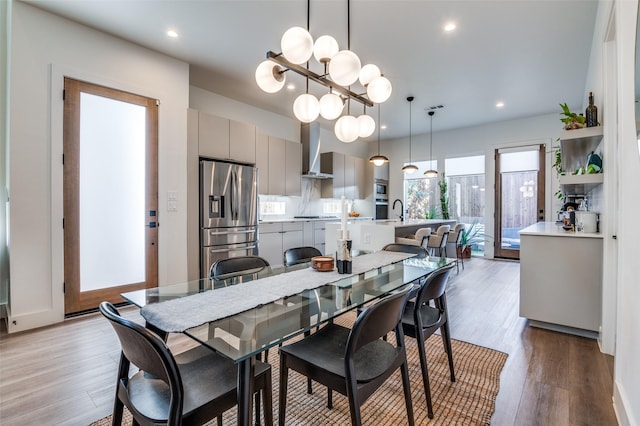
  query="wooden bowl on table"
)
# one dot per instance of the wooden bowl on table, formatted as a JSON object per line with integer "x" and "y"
{"x": 322, "y": 263}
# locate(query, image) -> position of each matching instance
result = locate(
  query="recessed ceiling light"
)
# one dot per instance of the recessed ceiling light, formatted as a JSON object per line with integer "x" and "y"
{"x": 291, "y": 86}
{"x": 449, "y": 27}
{"x": 172, "y": 33}
{"x": 499, "y": 104}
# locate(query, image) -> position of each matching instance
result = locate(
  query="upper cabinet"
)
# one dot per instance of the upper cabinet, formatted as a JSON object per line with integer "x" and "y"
{"x": 279, "y": 164}
{"x": 575, "y": 146}
{"x": 349, "y": 176}
{"x": 226, "y": 139}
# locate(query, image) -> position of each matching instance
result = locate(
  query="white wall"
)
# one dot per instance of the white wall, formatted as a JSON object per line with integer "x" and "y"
{"x": 44, "y": 48}
{"x": 5, "y": 38}
{"x": 477, "y": 140}
{"x": 627, "y": 353}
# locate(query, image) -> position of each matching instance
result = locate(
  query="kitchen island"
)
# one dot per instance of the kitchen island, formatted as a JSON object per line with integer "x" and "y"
{"x": 561, "y": 278}
{"x": 404, "y": 228}
{"x": 374, "y": 235}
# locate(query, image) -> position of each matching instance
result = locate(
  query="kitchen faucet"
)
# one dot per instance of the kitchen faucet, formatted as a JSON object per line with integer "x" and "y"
{"x": 401, "y": 215}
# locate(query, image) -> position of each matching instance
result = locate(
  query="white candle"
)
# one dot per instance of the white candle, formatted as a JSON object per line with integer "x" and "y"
{"x": 343, "y": 226}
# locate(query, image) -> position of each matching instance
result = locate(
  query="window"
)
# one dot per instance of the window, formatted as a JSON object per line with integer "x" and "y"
{"x": 465, "y": 184}
{"x": 421, "y": 193}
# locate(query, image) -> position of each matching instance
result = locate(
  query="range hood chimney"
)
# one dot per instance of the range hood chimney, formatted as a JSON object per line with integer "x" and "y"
{"x": 310, "y": 138}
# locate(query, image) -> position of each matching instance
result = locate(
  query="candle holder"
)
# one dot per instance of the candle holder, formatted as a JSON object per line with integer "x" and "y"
{"x": 343, "y": 256}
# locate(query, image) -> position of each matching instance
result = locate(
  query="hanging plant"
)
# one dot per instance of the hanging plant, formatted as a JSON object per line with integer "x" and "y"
{"x": 444, "y": 197}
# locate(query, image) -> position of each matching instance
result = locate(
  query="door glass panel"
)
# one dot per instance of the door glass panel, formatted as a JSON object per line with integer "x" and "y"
{"x": 112, "y": 192}
{"x": 519, "y": 177}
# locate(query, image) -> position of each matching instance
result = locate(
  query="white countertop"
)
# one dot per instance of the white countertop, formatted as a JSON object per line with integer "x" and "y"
{"x": 413, "y": 222}
{"x": 305, "y": 219}
{"x": 554, "y": 229}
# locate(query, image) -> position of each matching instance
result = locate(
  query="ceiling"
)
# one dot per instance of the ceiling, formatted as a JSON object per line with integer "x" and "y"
{"x": 530, "y": 54}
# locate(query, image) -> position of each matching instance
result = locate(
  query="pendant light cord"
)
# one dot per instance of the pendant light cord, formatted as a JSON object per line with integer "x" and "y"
{"x": 348, "y": 24}
{"x": 378, "y": 129}
{"x": 410, "y": 99}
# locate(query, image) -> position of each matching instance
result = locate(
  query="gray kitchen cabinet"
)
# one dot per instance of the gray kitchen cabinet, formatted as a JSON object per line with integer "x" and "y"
{"x": 293, "y": 168}
{"x": 333, "y": 163}
{"x": 262, "y": 162}
{"x": 319, "y": 235}
{"x": 277, "y": 169}
{"x": 213, "y": 136}
{"x": 276, "y": 237}
{"x": 381, "y": 172}
{"x": 349, "y": 176}
{"x": 307, "y": 229}
{"x": 226, "y": 139}
{"x": 242, "y": 142}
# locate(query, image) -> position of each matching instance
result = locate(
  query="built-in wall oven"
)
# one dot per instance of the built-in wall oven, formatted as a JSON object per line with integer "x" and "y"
{"x": 381, "y": 197}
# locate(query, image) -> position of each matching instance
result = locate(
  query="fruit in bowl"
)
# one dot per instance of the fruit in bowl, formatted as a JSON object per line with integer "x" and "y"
{"x": 354, "y": 214}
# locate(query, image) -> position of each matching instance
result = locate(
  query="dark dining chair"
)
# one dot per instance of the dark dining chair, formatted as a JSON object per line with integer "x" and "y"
{"x": 419, "y": 251}
{"x": 420, "y": 320}
{"x": 454, "y": 242}
{"x": 189, "y": 388}
{"x": 297, "y": 255}
{"x": 233, "y": 267}
{"x": 354, "y": 362}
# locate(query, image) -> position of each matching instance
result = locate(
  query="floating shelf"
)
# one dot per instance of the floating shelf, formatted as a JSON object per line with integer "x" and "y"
{"x": 580, "y": 184}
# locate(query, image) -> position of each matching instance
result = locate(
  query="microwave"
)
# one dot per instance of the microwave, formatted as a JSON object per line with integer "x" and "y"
{"x": 381, "y": 189}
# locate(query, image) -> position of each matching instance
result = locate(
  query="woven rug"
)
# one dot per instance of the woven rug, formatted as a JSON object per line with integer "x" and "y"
{"x": 470, "y": 400}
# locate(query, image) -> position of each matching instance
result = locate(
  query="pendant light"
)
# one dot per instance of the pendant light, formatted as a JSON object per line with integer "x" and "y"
{"x": 378, "y": 160}
{"x": 410, "y": 168}
{"x": 431, "y": 173}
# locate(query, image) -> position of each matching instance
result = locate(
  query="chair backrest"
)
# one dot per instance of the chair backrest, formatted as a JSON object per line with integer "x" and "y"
{"x": 236, "y": 266}
{"x": 455, "y": 234}
{"x": 421, "y": 234}
{"x": 434, "y": 286}
{"x": 296, "y": 255}
{"x": 439, "y": 239}
{"x": 420, "y": 252}
{"x": 377, "y": 320}
{"x": 148, "y": 352}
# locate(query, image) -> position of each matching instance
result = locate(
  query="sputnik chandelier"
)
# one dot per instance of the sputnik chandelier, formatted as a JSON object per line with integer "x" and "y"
{"x": 342, "y": 68}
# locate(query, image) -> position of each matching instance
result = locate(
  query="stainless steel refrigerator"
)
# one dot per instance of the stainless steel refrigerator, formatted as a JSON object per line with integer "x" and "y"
{"x": 228, "y": 212}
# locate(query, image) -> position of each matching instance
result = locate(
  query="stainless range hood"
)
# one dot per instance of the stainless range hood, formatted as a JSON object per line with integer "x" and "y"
{"x": 310, "y": 138}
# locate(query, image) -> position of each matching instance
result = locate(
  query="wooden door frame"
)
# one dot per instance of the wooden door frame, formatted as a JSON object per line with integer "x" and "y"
{"x": 74, "y": 300}
{"x": 498, "y": 251}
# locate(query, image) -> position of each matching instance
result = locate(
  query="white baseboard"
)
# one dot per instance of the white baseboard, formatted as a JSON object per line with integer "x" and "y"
{"x": 620, "y": 405}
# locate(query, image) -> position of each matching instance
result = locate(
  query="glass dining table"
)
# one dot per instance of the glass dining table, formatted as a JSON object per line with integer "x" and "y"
{"x": 215, "y": 313}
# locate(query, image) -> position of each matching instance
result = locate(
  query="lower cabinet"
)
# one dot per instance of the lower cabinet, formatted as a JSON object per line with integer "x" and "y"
{"x": 276, "y": 237}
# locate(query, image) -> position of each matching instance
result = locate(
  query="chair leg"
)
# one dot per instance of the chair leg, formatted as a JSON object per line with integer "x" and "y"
{"x": 354, "y": 406}
{"x": 404, "y": 369}
{"x": 446, "y": 340}
{"x": 329, "y": 399}
{"x": 219, "y": 420}
{"x": 118, "y": 406}
{"x": 267, "y": 396}
{"x": 425, "y": 374}
{"x": 282, "y": 398}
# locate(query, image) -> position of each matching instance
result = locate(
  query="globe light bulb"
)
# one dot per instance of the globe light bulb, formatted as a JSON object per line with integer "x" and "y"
{"x": 270, "y": 77}
{"x": 344, "y": 67}
{"x": 379, "y": 89}
{"x": 297, "y": 45}
{"x": 347, "y": 129}
{"x": 306, "y": 108}
{"x": 331, "y": 106}
{"x": 366, "y": 125}
{"x": 368, "y": 73}
{"x": 324, "y": 48}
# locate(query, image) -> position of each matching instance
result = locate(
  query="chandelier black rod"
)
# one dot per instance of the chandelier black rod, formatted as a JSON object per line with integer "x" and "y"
{"x": 279, "y": 59}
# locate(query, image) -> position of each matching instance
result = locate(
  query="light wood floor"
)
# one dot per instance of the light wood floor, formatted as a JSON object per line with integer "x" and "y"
{"x": 65, "y": 374}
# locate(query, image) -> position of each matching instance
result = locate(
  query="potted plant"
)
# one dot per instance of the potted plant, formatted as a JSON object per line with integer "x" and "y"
{"x": 468, "y": 237}
{"x": 444, "y": 198}
{"x": 571, "y": 120}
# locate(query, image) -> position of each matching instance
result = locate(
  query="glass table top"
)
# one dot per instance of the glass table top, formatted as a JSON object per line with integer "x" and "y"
{"x": 248, "y": 333}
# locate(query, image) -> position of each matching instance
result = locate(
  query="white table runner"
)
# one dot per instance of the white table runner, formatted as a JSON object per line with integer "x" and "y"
{"x": 178, "y": 315}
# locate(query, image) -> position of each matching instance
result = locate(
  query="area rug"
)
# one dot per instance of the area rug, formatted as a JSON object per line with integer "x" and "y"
{"x": 470, "y": 400}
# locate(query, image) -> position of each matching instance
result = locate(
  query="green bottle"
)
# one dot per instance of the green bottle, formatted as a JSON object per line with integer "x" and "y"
{"x": 591, "y": 112}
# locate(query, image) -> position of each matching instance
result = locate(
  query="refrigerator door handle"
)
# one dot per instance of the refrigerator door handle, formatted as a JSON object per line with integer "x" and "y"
{"x": 224, "y": 250}
{"x": 246, "y": 231}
